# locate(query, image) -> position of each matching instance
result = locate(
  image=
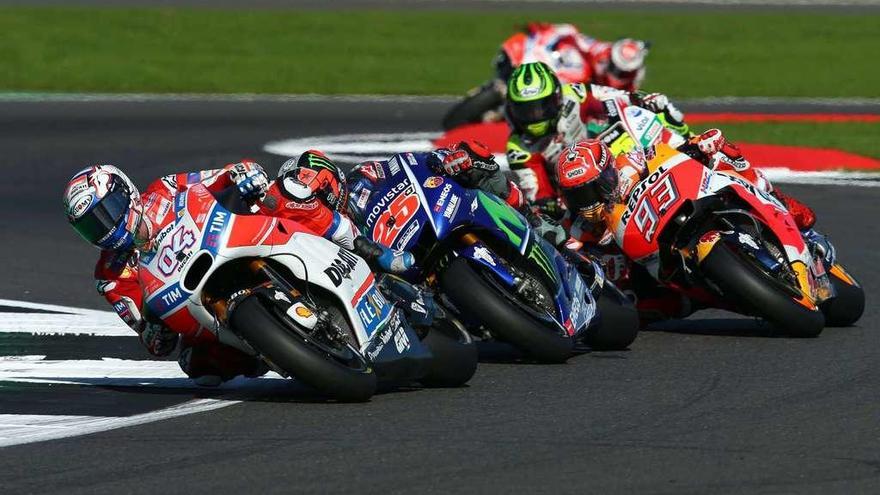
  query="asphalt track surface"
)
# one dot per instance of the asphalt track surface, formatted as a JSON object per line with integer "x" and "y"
{"x": 716, "y": 404}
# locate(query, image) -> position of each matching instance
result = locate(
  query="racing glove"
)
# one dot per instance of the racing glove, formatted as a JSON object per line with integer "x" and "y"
{"x": 250, "y": 179}
{"x": 158, "y": 339}
{"x": 655, "y": 102}
{"x": 387, "y": 259}
{"x": 527, "y": 180}
{"x": 659, "y": 103}
{"x": 463, "y": 157}
{"x": 717, "y": 150}
{"x": 545, "y": 227}
{"x": 550, "y": 207}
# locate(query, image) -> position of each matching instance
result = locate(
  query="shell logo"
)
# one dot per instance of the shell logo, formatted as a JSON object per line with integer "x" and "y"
{"x": 433, "y": 181}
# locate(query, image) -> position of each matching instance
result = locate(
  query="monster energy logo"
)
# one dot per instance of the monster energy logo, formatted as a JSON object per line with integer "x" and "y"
{"x": 538, "y": 255}
{"x": 320, "y": 162}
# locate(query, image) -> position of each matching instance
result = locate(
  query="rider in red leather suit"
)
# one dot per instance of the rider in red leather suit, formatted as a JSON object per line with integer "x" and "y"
{"x": 589, "y": 176}
{"x": 146, "y": 221}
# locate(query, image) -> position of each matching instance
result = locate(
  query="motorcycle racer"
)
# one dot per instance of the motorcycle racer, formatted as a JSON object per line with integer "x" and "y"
{"x": 618, "y": 64}
{"x": 313, "y": 191}
{"x": 474, "y": 166}
{"x": 103, "y": 205}
{"x": 591, "y": 178}
{"x": 545, "y": 117}
{"x": 574, "y": 57}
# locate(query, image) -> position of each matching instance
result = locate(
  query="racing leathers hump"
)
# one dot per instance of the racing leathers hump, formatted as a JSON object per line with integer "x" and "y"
{"x": 296, "y": 200}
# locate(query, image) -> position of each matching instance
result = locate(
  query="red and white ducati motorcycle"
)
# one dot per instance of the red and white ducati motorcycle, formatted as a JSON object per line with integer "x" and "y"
{"x": 310, "y": 309}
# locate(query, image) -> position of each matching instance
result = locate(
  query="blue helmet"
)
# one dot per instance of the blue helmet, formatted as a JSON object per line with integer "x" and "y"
{"x": 104, "y": 207}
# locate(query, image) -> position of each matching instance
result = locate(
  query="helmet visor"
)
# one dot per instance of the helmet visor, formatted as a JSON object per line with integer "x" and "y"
{"x": 98, "y": 222}
{"x": 618, "y": 78}
{"x": 592, "y": 194}
{"x": 585, "y": 197}
{"x": 541, "y": 111}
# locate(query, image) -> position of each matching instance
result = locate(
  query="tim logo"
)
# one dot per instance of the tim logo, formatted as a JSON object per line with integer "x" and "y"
{"x": 340, "y": 268}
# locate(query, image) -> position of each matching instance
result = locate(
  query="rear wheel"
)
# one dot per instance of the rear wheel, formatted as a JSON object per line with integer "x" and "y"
{"x": 503, "y": 314}
{"x": 618, "y": 321}
{"x": 471, "y": 109}
{"x": 455, "y": 355}
{"x": 338, "y": 372}
{"x": 758, "y": 293}
{"x": 848, "y": 305}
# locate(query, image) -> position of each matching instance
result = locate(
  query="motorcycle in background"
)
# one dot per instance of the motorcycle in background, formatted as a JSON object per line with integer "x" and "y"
{"x": 552, "y": 44}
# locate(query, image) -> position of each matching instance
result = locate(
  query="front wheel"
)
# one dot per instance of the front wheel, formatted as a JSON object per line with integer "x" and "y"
{"x": 267, "y": 332}
{"x": 498, "y": 309}
{"x": 618, "y": 321}
{"x": 848, "y": 305}
{"x": 455, "y": 354}
{"x": 755, "y": 291}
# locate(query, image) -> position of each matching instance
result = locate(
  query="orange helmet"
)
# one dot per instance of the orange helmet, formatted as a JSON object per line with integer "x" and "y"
{"x": 587, "y": 178}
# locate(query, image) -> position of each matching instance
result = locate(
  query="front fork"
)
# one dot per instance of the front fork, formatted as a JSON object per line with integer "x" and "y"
{"x": 417, "y": 302}
{"x": 280, "y": 292}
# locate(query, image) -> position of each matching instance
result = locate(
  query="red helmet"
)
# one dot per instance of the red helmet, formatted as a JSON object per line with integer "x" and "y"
{"x": 587, "y": 178}
{"x": 626, "y": 65}
{"x": 313, "y": 174}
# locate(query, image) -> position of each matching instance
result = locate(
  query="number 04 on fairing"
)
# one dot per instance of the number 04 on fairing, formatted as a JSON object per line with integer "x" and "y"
{"x": 309, "y": 308}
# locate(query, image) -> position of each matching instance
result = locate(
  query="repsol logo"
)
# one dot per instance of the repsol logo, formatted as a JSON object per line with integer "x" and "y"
{"x": 641, "y": 186}
{"x": 340, "y": 268}
{"x": 638, "y": 191}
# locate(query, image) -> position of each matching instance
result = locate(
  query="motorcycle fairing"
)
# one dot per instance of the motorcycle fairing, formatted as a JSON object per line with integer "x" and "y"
{"x": 215, "y": 230}
{"x": 447, "y": 206}
{"x": 543, "y": 46}
{"x": 650, "y": 207}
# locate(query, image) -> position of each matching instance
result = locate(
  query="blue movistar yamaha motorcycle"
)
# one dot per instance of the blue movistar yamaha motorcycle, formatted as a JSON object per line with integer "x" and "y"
{"x": 489, "y": 267}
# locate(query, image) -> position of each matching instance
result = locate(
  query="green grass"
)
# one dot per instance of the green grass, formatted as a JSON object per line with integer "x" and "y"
{"x": 855, "y": 137}
{"x": 179, "y": 50}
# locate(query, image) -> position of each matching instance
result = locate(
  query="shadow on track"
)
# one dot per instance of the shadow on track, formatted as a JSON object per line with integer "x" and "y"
{"x": 238, "y": 389}
{"x": 495, "y": 352}
{"x": 718, "y": 327}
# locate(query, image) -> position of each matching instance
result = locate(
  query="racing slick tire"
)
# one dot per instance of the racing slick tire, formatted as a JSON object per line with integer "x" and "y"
{"x": 492, "y": 306}
{"x": 455, "y": 355}
{"x": 758, "y": 293}
{"x": 471, "y": 109}
{"x": 848, "y": 305}
{"x": 269, "y": 336}
{"x": 618, "y": 321}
